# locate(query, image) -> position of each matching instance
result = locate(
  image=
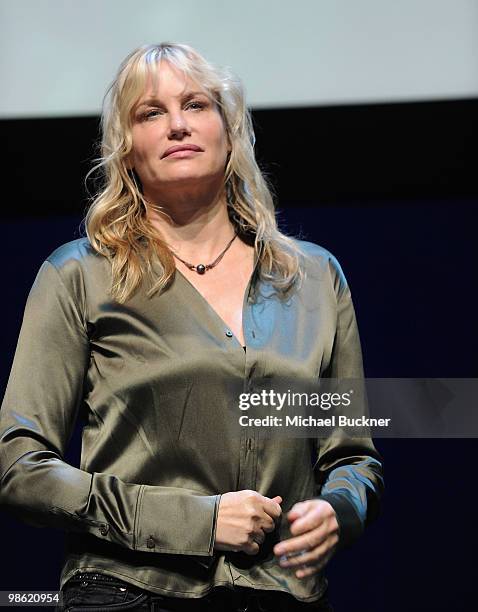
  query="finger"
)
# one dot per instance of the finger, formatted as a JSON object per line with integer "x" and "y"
{"x": 258, "y": 537}
{"x": 272, "y": 508}
{"x": 298, "y": 510}
{"x": 313, "y": 517}
{"x": 304, "y": 557}
{"x": 309, "y": 570}
{"x": 307, "y": 541}
{"x": 251, "y": 548}
{"x": 309, "y": 521}
{"x": 308, "y": 557}
{"x": 267, "y": 524}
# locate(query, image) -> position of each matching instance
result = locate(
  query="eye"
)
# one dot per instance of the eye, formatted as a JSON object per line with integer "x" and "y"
{"x": 154, "y": 112}
{"x": 151, "y": 113}
{"x": 196, "y": 105}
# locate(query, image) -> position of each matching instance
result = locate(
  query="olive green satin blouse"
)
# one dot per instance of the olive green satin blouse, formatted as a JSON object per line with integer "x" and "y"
{"x": 150, "y": 379}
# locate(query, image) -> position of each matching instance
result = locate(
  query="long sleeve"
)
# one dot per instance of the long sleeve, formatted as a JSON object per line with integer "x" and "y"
{"x": 44, "y": 396}
{"x": 348, "y": 469}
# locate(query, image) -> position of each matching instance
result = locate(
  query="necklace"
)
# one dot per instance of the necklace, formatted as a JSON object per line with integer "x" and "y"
{"x": 202, "y": 268}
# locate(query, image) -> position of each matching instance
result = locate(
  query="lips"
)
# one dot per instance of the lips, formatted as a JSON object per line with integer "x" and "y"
{"x": 186, "y": 147}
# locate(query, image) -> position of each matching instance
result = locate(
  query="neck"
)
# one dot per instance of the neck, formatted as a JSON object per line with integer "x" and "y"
{"x": 194, "y": 225}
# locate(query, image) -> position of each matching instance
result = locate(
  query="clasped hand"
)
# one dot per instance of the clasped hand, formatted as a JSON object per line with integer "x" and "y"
{"x": 244, "y": 518}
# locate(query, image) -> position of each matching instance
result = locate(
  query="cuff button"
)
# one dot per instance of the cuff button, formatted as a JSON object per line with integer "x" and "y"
{"x": 150, "y": 543}
{"x": 104, "y": 529}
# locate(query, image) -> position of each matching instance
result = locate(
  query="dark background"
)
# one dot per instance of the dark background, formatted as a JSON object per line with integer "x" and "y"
{"x": 391, "y": 190}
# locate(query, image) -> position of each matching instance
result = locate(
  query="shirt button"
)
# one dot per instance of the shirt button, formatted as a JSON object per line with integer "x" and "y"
{"x": 104, "y": 529}
{"x": 229, "y": 333}
{"x": 150, "y": 543}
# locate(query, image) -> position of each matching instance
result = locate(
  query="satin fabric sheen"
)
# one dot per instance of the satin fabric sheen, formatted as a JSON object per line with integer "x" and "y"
{"x": 153, "y": 381}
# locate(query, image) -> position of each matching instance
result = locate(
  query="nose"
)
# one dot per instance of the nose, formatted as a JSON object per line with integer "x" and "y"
{"x": 178, "y": 126}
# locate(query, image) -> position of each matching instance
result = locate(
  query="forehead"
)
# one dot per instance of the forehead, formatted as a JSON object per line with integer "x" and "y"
{"x": 163, "y": 79}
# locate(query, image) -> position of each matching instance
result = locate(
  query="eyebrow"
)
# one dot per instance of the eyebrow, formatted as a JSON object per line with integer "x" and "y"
{"x": 186, "y": 96}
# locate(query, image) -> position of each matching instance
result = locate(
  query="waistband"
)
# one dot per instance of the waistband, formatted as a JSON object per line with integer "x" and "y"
{"x": 240, "y": 599}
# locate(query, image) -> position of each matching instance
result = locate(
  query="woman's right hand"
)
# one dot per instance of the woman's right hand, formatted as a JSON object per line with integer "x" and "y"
{"x": 243, "y": 519}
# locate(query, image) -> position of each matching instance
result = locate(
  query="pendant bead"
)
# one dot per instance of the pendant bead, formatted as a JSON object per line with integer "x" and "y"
{"x": 201, "y": 268}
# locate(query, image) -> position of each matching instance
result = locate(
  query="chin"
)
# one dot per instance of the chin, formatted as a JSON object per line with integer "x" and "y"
{"x": 191, "y": 178}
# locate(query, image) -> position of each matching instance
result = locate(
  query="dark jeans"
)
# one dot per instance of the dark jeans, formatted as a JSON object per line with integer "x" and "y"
{"x": 95, "y": 592}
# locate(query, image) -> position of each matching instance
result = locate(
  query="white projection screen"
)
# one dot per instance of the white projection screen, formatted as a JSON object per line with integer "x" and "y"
{"x": 58, "y": 56}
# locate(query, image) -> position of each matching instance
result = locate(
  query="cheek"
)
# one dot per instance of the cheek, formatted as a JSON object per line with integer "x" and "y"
{"x": 141, "y": 156}
{"x": 221, "y": 140}
{"x": 214, "y": 131}
{"x": 144, "y": 142}
{"x": 135, "y": 154}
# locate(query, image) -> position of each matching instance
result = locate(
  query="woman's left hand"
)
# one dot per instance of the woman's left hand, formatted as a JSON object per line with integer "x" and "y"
{"x": 315, "y": 532}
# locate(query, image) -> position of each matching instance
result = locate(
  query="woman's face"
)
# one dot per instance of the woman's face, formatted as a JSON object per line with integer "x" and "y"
{"x": 179, "y": 137}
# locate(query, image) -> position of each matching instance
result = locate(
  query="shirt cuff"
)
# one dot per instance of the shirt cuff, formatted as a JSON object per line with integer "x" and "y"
{"x": 175, "y": 521}
{"x": 350, "y": 525}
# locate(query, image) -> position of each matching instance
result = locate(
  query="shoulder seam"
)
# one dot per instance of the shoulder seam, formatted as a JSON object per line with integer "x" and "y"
{"x": 83, "y": 316}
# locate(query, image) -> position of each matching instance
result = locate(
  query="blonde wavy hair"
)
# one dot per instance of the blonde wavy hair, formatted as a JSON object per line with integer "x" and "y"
{"x": 116, "y": 222}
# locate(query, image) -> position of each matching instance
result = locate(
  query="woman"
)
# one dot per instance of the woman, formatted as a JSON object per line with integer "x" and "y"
{"x": 183, "y": 292}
